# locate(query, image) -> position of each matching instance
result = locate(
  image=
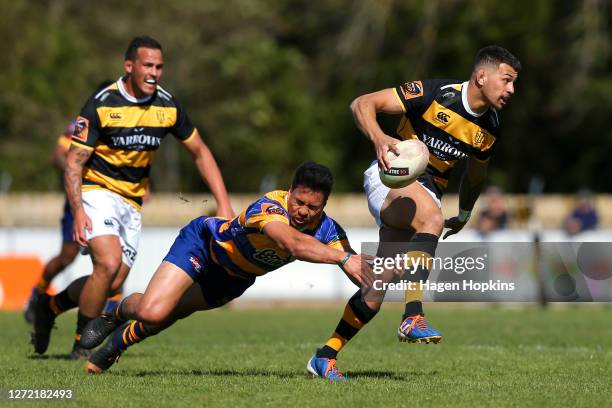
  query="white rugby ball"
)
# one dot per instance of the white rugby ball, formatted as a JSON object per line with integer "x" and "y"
{"x": 405, "y": 168}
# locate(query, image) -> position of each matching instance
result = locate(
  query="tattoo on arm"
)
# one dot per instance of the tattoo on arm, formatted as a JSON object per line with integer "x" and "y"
{"x": 73, "y": 175}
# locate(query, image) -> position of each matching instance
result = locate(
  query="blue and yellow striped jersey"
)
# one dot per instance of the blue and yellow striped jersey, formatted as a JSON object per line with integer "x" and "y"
{"x": 242, "y": 249}
{"x": 124, "y": 134}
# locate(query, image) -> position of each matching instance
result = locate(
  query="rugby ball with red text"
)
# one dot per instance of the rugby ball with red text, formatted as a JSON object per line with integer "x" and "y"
{"x": 405, "y": 168}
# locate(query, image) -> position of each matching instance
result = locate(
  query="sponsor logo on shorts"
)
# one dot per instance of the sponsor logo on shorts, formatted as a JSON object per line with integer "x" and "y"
{"x": 115, "y": 115}
{"x": 81, "y": 129}
{"x": 109, "y": 222}
{"x": 412, "y": 89}
{"x": 195, "y": 262}
{"x": 129, "y": 254}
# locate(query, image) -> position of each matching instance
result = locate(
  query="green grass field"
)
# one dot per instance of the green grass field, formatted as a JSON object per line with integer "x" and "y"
{"x": 490, "y": 356}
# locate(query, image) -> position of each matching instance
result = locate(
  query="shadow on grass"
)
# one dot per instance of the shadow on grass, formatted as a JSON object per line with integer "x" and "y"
{"x": 388, "y": 375}
{"x": 213, "y": 373}
{"x": 51, "y": 357}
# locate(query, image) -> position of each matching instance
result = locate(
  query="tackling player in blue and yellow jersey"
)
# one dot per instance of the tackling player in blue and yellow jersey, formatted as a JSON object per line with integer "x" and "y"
{"x": 214, "y": 260}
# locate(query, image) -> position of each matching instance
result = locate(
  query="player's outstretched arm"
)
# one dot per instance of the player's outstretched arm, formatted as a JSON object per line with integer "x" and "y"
{"x": 210, "y": 173}
{"x": 366, "y": 275}
{"x": 307, "y": 248}
{"x": 364, "y": 110}
{"x": 472, "y": 182}
{"x": 73, "y": 180}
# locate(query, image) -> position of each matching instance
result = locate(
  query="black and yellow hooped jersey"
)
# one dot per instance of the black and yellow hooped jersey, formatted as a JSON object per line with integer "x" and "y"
{"x": 437, "y": 113}
{"x": 124, "y": 133}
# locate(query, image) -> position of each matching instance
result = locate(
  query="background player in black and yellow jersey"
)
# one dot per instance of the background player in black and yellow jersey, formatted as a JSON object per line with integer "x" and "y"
{"x": 214, "y": 260}
{"x": 457, "y": 121}
{"x": 107, "y": 173}
{"x": 69, "y": 248}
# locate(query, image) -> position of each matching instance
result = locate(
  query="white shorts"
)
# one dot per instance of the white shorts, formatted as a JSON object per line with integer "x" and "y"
{"x": 376, "y": 192}
{"x": 112, "y": 215}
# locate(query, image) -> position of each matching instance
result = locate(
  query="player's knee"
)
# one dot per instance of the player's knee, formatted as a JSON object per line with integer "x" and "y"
{"x": 153, "y": 315}
{"x": 432, "y": 223}
{"x": 107, "y": 266}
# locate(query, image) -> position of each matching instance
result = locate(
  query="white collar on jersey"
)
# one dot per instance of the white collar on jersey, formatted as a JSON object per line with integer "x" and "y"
{"x": 464, "y": 100}
{"x": 129, "y": 97}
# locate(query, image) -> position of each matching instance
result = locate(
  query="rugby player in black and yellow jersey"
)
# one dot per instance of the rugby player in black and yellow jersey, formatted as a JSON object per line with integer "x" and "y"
{"x": 106, "y": 177}
{"x": 457, "y": 121}
{"x": 69, "y": 249}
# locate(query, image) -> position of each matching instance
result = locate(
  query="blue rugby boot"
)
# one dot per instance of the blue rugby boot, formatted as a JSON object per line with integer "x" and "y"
{"x": 415, "y": 329}
{"x": 324, "y": 368}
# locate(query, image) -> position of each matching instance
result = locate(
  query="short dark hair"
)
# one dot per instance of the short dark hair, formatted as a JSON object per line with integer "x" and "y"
{"x": 141, "y": 41}
{"x": 495, "y": 55}
{"x": 315, "y": 176}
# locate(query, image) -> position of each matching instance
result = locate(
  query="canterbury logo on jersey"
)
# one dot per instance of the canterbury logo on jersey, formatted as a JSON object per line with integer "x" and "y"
{"x": 135, "y": 142}
{"x": 444, "y": 149}
{"x": 458, "y": 127}
{"x": 442, "y": 117}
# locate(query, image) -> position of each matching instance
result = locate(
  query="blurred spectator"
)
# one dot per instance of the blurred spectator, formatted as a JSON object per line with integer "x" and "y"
{"x": 494, "y": 216}
{"x": 584, "y": 215}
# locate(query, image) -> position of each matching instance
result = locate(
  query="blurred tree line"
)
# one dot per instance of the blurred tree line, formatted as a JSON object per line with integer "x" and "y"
{"x": 269, "y": 82}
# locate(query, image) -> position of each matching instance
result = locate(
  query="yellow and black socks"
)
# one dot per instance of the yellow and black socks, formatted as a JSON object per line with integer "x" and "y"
{"x": 62, "y": 302}
{"x": 422, "y": 250}
{"x": 133, "y": 332}
{"x": 356, "y": 315}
